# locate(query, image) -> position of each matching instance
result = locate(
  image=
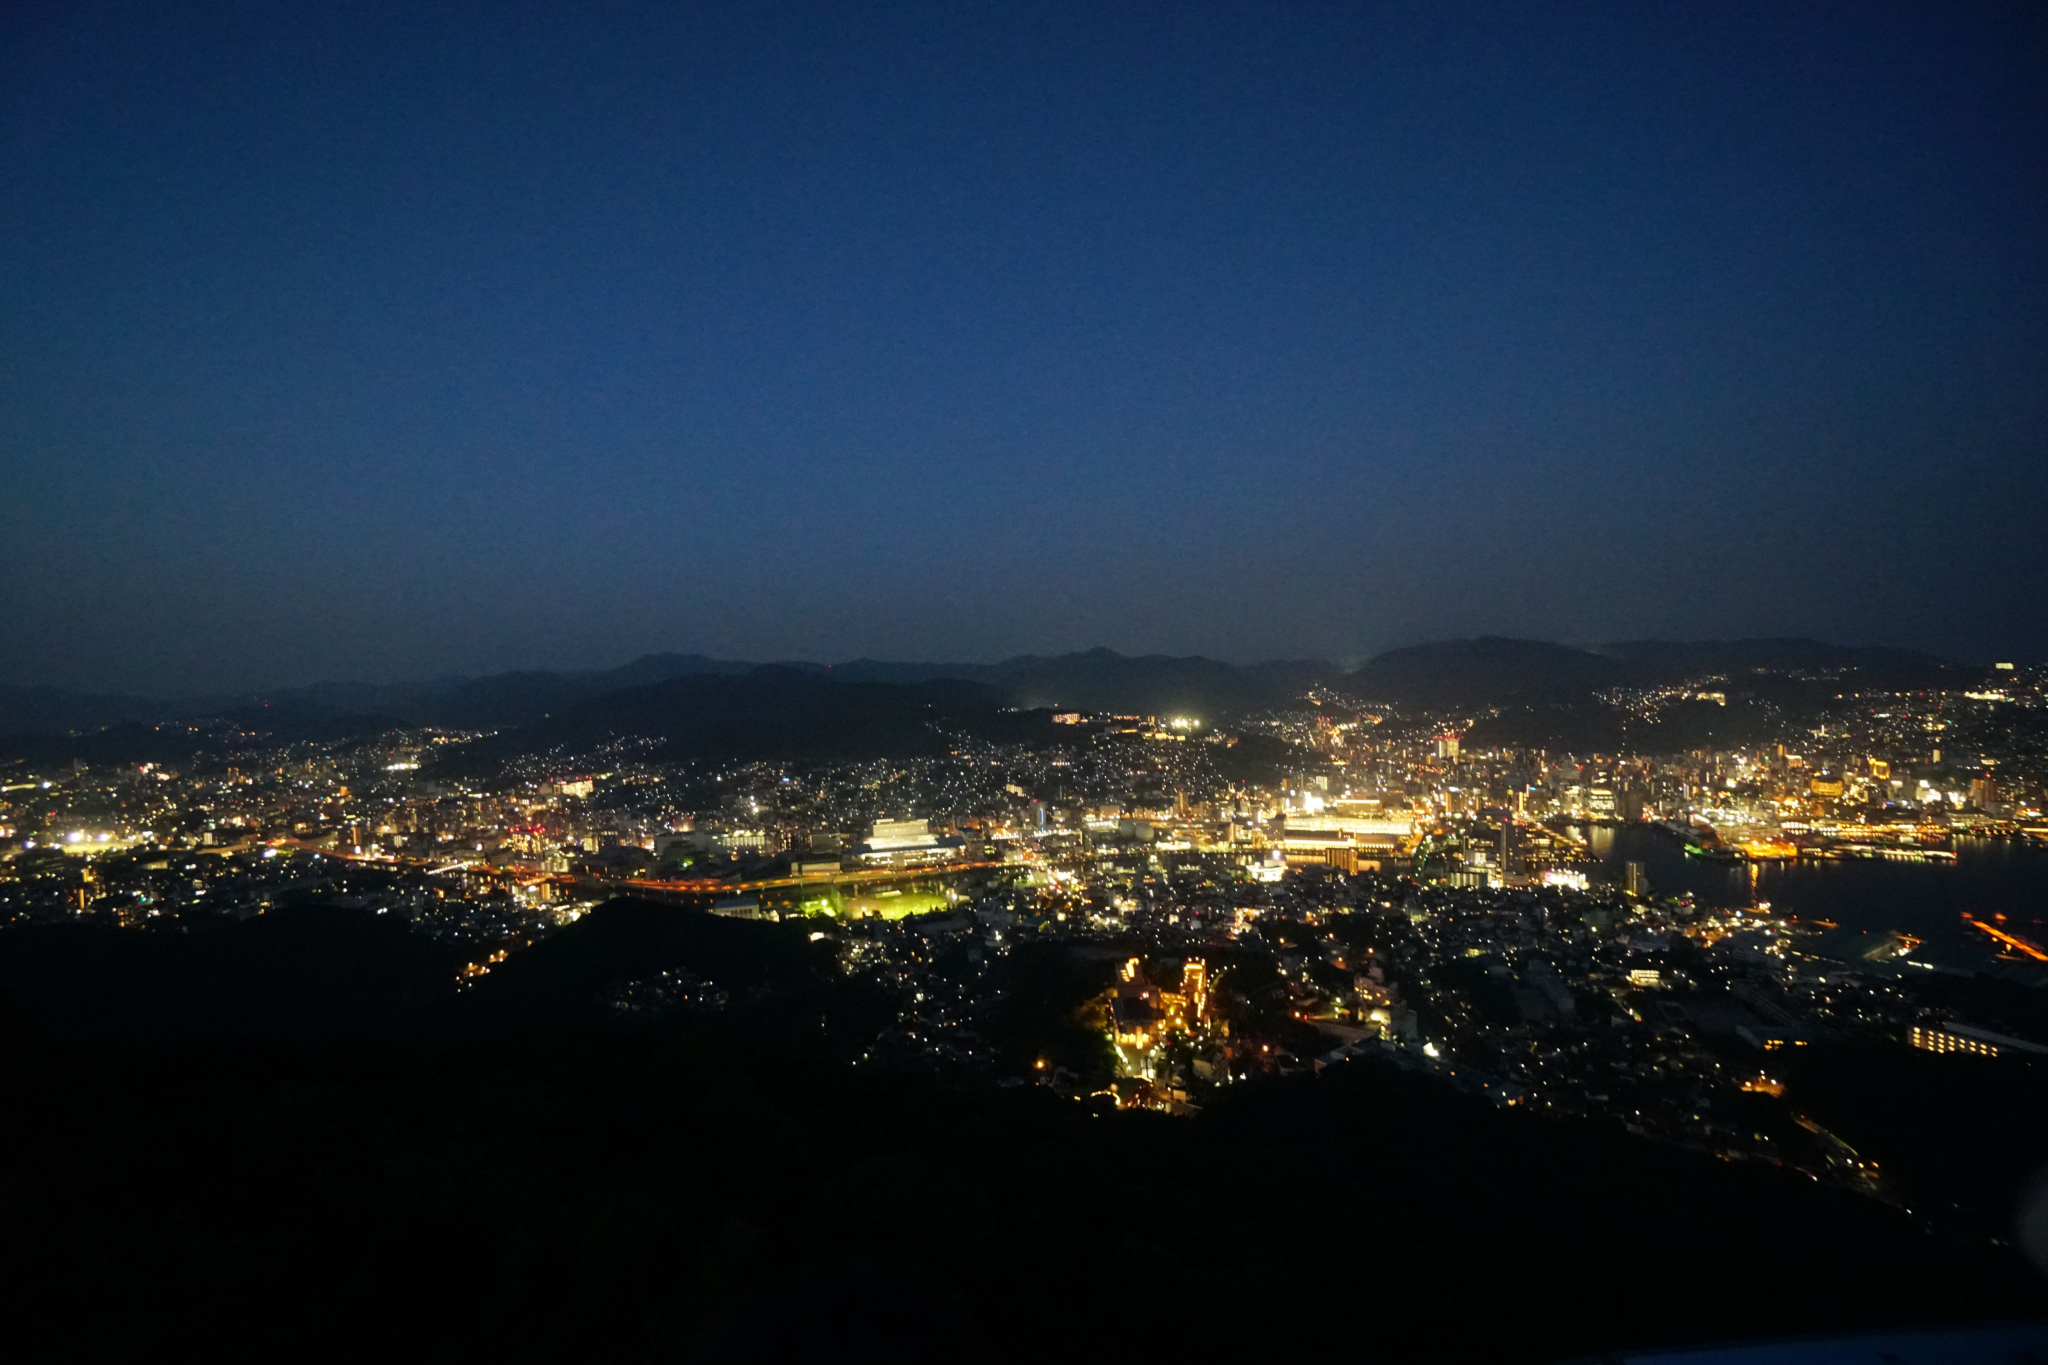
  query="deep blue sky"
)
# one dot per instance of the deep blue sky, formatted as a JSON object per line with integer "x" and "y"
{"x": 388, "y": 340}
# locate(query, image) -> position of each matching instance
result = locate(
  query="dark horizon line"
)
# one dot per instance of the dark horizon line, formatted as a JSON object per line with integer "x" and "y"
{"x": 1340, "y": 664}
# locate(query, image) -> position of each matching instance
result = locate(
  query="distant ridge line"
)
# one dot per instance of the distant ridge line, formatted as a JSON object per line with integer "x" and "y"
{"x": 1481, "y": 670}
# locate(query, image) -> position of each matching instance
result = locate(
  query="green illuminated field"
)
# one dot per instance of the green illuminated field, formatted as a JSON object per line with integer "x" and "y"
{"x": 897, "y": 905}
{"x": 890, "y": 905}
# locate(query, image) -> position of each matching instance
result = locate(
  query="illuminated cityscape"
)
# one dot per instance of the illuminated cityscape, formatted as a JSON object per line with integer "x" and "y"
{"x": 982, "y": 684}
{"x": 1381, "y": 883}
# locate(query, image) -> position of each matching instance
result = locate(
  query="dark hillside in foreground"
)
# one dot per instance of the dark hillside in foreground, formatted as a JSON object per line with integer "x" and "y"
{"x": 631, "y": 959}
{"x": 1885, "y": 1094}
{"x": 540, "y": 1169}
{"x": 693, "y": 1192}
{"x": 309, "y": 973}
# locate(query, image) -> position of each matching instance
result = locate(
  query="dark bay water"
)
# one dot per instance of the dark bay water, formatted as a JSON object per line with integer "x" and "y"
{"x": 1927, "y": 900}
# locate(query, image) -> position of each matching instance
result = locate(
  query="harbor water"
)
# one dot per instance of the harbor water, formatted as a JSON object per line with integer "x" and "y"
{"x": 1989, "y": 877}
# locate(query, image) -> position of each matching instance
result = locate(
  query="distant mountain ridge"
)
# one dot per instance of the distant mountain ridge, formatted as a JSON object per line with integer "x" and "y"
{"x": 1493, "y": 670}
{"x": 787, "y": 713}
{"x": 1102, "y": 680}
{"x": 1789, "y": 654}
{"x": 1488, "y": 671}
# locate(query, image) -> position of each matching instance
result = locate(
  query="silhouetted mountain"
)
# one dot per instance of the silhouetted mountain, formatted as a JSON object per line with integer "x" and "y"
{"x": 1488, "y": 671}
{"x": 1104, "y": 680}
{"x": 502, "y": 700}
{"x": 776, "y": 712}
{"x": 56, "y": 710}
{"x": 122, "y": 742}
{"x": 904, "y": 674}
{"x": 1493, "y": 671}
{"x": 1675, "y": 660}
{"x": 654, "y": 668}
{"x": 258, "y": 725}
{"x": 1449, "y": 675}
{"x": 1155, "y": 684}
{"x": 343, "y": 698}
{"x": 1097, "y": 680}
{"x": 173, "y": 742}
{"x": 497, "y": 701}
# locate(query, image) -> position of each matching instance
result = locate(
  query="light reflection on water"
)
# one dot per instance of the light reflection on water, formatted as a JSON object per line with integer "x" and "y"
{"x": 1989, "y": 876}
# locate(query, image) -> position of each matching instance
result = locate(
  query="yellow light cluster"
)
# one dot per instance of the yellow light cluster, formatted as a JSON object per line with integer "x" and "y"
{"x": 1941, "y": 1040}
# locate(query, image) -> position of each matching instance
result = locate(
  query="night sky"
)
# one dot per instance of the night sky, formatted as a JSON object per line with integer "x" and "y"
{"x": 392, "y": 340}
